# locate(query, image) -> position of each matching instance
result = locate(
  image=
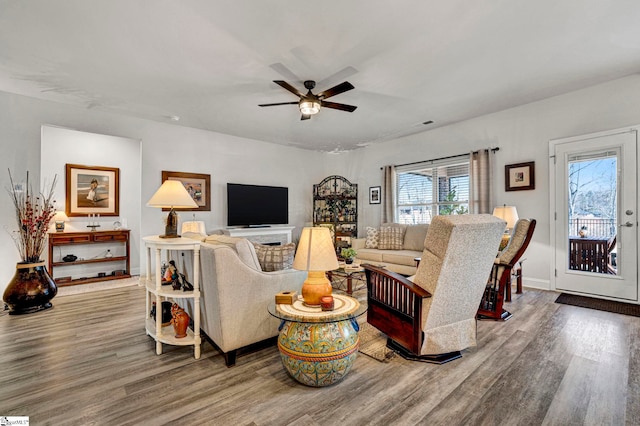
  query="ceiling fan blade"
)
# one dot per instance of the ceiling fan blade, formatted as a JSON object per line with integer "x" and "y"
{"x": 335, "y": 90}
{"x": 288, "y": 87}
{"x": 341, "y": 107}
{"x": 305, "y": 117}
{"x": 279, "y": 103}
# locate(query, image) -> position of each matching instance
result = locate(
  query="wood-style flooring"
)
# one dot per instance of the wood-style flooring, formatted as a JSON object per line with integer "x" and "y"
{"x": 88, "y": 361}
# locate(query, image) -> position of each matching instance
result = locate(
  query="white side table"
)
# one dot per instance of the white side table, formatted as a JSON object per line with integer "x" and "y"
{"x": 154, "y": 288}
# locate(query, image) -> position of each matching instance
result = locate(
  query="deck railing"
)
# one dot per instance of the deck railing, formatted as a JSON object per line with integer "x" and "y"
{"x": 596, "y": 227}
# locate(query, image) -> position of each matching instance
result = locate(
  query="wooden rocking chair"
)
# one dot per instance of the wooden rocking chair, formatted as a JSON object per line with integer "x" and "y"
{"x": 500, "y": 280}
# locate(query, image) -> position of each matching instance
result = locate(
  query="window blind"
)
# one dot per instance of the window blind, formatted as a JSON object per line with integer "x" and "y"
{"x": 439, "y": 189}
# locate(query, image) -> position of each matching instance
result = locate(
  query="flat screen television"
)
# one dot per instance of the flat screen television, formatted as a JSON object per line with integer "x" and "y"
{"x": 257, "y": 205}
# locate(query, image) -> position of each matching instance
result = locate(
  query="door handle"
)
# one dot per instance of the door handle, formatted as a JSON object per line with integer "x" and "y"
{"x": 626, "y": 224}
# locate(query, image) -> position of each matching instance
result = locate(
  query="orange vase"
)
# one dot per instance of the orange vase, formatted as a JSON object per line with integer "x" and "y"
{"x": 180, "y": 320}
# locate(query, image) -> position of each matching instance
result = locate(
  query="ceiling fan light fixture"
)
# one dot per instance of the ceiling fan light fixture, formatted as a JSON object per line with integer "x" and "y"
{"x": 309, "y": 107}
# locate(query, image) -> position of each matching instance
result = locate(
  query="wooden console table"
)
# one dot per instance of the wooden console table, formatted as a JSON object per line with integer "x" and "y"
{"x": 121, "y": 237}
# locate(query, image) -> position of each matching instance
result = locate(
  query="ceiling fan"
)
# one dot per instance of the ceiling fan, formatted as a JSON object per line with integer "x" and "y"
{"x": 310, "y": 104}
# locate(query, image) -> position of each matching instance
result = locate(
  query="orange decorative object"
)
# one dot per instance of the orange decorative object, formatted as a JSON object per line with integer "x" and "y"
{"x": 316, "y": 286}
{"x": 326, "y": 303}
{"x": 180, "y": 321}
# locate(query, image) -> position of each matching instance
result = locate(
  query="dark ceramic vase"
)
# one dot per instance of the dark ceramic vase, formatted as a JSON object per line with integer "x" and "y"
{"x": 30, "y": 290}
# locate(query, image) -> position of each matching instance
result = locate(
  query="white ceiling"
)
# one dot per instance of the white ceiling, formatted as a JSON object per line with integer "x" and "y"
{"x": 211, "y": 62}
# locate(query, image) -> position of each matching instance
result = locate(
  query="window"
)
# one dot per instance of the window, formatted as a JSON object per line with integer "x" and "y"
{"x": 440, "y": 189}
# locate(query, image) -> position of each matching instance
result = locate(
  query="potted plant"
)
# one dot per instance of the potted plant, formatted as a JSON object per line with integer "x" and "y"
{"x": 31, "y": 288}
{"x": 348, "y": 254}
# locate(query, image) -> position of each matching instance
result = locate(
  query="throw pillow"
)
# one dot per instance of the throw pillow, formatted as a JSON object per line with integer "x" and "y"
{"x": 275, "y": 258}
{"x": 373, "y": 238}
{"x": 391, "y": 237}
{"x": 414, "y": 237}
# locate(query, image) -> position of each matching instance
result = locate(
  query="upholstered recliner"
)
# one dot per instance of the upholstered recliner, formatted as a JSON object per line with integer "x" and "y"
{"x": 235, "y": 294}
{"x": 433, "y": 317}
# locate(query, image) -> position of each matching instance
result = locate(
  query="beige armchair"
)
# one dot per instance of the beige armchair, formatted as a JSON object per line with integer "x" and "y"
{"x": 235, "y": 294}
{"x": 433, "y": 317}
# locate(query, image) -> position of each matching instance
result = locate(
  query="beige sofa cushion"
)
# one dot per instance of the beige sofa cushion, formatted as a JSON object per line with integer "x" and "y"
{"x": 414, "y": 237}
{"x": 370, "y": 254}
{"x": 391, "y": 237}
{"x": 275, "y": 258}
{"x": 401, "y": 257}
{"x": 242, "y": 246}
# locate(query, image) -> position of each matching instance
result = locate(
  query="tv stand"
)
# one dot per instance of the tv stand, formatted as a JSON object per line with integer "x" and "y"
{"x": 268, "y": 235}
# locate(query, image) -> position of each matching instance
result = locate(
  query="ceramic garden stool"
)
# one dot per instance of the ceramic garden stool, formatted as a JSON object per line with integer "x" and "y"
{"x": 318, "y": 347}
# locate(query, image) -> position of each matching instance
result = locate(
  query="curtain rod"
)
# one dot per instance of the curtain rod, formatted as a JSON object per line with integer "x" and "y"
{"x": 493, "y": 150}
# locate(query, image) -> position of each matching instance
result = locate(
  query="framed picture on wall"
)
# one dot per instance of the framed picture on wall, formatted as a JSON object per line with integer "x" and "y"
{"x": 374, "y": 195}
{"x": 519, "y": 177}
{"x": 198, "y": 185}
{"x": 92, "y": 190}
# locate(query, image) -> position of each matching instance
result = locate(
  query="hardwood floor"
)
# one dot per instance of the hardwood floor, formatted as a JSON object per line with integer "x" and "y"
{"x": 89, "y": 361}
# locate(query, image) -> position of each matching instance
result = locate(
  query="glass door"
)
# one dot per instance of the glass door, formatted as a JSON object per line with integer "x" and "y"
{"x": 595, "y": 216}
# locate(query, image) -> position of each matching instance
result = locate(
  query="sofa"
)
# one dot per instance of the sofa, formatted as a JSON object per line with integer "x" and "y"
{"x": 393, "y": 246}
{"x": 236, "y": 290}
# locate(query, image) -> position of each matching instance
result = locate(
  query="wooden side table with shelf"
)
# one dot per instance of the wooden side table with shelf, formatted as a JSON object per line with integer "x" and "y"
{"x": 155, "y": 291}
{"x": 88, "y": 238}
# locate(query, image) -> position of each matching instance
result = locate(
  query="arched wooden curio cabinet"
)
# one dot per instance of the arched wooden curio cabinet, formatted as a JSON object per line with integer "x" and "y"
{"x": 335, "y": 205}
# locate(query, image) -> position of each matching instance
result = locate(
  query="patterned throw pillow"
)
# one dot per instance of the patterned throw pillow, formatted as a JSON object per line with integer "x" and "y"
{"x": 275, "y": 258}
{"x": 391, "y": 238}
{"x": 373, "y": 237}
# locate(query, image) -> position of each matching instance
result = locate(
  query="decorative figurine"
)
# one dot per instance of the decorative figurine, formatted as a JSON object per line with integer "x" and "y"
{"x": 584, "y": 232}
{"x": 180, "y": 320}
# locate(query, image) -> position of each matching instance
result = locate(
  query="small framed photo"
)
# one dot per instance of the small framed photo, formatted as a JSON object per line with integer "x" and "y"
{"x": 374, "y": 195}
{"x": 519, "y": 177}
{"x": 92, "y": 190}
{"x": 197, "y": 185}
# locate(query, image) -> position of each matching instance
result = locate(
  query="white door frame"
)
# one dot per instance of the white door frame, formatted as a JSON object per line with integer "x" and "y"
{"x": 553, "y": 234}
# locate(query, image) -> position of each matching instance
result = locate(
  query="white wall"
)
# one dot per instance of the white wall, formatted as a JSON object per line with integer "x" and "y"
{"x": 523, "y": 134}
{"x": 60, "y": 146}
{"x": 164, "y": 147}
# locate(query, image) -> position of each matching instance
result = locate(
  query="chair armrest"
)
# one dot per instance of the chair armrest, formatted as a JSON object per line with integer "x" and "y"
{"x": 395, "y": 306}
{"x": 395, "y": 277}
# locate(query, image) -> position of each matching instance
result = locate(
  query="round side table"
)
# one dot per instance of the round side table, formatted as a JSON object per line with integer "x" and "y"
{"x": 318, "y": 347}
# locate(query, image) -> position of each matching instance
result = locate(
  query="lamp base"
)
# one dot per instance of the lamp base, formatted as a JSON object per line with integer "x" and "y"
{"x": 171, "y": 229}
{"x": 315, "y": 286}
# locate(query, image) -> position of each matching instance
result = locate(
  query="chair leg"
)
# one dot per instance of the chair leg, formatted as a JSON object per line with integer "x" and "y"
{"x": 432, "y": 359}
{"x": 519, "y": 281}
{"x": 507, "y": 290}
{"x": 230, "y": 358}
{"x": 504, "y": 315}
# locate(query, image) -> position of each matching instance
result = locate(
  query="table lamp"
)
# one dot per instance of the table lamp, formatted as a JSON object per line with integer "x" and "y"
{"x": 194, "y": 226}
{"x": 508, "y": 214}
{"x": 172, "y": 195}
{"x": 60, "y": 218}
{"x": 316, "y": 255}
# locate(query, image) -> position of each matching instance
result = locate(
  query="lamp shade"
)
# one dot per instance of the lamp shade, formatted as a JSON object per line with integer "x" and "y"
{"x": 172, "y": 194}
{"x": 195, "y": 226}
{"x": 315, "y": 251}
{"x": 60, "y": 216}
{"x": 508, "y": 214}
